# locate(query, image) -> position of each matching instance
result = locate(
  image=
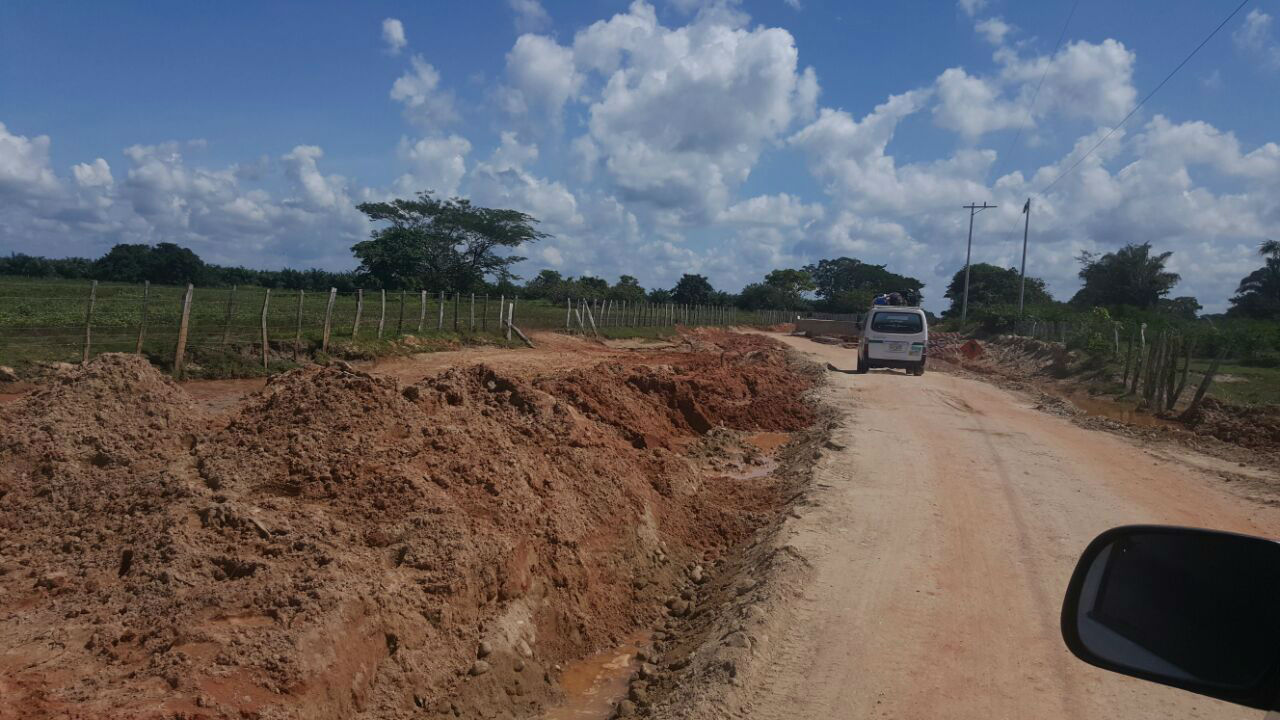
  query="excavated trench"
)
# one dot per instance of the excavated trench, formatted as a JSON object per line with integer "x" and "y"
{"x": 475, "y": 544}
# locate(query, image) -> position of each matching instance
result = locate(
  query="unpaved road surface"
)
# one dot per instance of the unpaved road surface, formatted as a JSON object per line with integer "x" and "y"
{"x": 942, "y": 537}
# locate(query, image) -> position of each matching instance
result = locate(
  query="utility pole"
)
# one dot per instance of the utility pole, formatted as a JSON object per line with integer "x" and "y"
{"x": 1022, "y": 279}
{"x": 968, "y": 254}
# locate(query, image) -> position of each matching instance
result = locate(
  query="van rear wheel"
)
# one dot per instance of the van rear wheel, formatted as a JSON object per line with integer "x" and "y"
{"x": 918, "y": 370}
{"x": 863, "y": 365}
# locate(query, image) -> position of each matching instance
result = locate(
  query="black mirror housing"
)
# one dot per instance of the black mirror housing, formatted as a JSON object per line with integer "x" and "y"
{"x": 1193, "y": 609}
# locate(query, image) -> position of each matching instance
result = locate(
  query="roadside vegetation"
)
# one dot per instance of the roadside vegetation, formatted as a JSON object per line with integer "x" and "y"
{"x": 1122, "y": 321}
{"x": 463, "y": 257}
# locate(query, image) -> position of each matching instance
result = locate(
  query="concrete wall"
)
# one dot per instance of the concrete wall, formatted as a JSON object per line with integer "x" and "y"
{"x": 837, "y": 328}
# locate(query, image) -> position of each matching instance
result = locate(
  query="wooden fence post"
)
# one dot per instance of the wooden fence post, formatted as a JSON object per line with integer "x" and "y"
{"x": 179, "y": 353}
{"x": 328, "y": 320}
{"x": 266, "y": 300}
{"x": 472, "y": 324}
{"x": 382, "y": 316}
{"x": 502, "y": 311}
{"x": 440, "y": 323}
{"x": 400, "y": 320}
{"x": 226, "y": 323}
{"x": 511, "y": 311}
{"x": 88, "y": 321}
{"x": 297, "y": 334}
{"x": 1128, "y": 361}
{"x": 457, "y": 300}
{"x": 422, "y": 310}
{"x": 142, "y": 322}
{"x": 1205, "y": 382}
{"x": 355, "y": 326}
{"x": 591, "y": 317}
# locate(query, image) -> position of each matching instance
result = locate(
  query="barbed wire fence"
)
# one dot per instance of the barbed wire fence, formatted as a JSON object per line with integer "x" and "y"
{"x": 69, "y": 321}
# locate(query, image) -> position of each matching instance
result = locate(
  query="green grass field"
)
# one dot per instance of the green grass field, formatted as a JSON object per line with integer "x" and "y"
{"x": 1234, "y": 383}
{"x": 1239, "y": 383}
{"x": 43, "y": 320}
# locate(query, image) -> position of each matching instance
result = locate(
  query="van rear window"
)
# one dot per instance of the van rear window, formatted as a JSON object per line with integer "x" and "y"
{"x": 897, "y": 322}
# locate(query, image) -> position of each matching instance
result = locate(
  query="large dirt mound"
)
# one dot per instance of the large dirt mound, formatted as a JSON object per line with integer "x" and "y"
{"x": 652, "y": 406}
{"x": 1252, "y": 426}
{"x": 342, "y": 546}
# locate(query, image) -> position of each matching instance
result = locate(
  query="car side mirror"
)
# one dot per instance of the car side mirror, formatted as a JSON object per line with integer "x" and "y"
{"x": 1195, "y": 609}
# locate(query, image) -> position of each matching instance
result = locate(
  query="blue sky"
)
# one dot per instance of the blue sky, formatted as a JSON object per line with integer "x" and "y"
{"x": 652, "y": 139}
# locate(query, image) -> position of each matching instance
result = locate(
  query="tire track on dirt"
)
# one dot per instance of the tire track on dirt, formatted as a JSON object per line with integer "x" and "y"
{"x": 946, "y": 521}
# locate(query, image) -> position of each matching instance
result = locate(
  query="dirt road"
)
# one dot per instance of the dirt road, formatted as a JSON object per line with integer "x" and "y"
{"x": 942, "y": 538}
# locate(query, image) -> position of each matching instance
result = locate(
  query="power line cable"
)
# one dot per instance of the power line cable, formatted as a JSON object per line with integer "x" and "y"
{"x": 1144, "y": 100}
{"x": 1014, "y": 143}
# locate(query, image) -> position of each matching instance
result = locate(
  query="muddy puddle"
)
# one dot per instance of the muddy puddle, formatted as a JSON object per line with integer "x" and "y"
{"x": 1110, "y": 409}
{"x": 596, "y": 683}
{"x": 768, "y": 442}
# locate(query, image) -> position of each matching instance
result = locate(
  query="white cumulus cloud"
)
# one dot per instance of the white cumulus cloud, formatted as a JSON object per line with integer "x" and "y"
{"x": 530, "y": 16}
{"x": 1255, "y": 37}
{"x": 543, "y": 76}
{"x": 993, "y": 30}
{"x": 419, "y": 91}
{"x": 95, "y": 174}
{"x": 437, "y": 164}
{"x": 24, "y": 164}
{"x": 684, "y": 113}
{"x": 393, "y": 35}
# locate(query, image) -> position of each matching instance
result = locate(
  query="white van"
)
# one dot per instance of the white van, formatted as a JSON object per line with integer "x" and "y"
{"x": 894, "y": 336}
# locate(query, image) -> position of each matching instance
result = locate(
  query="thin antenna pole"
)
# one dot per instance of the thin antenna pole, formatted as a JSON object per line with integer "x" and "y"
{"x": 1022, "y": 279}
{"x": 968, "y": 254}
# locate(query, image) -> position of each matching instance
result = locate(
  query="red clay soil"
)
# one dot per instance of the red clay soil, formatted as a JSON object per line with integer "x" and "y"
{"x": 1253, "y": 426}
{"x": 343, "y": 546}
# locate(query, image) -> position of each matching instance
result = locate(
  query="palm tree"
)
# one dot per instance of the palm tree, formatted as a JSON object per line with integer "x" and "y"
{"x": 1132, "y": 275}
{"x": 1258, "y": 294}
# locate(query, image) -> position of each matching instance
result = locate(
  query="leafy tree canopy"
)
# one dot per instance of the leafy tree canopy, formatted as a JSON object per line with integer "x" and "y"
{"x": 993, "y": 286}
{"x": 659, "y": 296}
{"x": 544, "y": 284}
{"x": 447, "y": 244}
{"x": 763, "y": 296}
{"x": 627, "y": 290}
{"x": 1182, "y": 308}
{"x": 1258, "y": 295}
{"x": 843, "y": 283}
{"x": 1131, "y": 276}
{"x": 692, "y": 290}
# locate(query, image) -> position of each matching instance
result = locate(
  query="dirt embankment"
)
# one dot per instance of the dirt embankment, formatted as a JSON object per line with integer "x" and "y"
{"x": 344, "y": 545}
{"x": 1063, "y": 376}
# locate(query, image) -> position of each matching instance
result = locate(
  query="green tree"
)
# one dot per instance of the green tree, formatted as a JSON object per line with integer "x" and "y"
{"x": 591, "y": 287}
{"x": 992, "y": 286}
{"x": 1182, "y": 308}
{"x": 1131, "y": 275}
{"x": 793, "y": 284}
{"x": 658, "y": 296}
{"x": 692, "y": 290}
{"x": 543, "y": 285}
{"x": 847, "y": 284}
{"x": 1258, "y": 295}
{"x": 124, "y": 263}
{"x": 446, "y": 244}
{"x": 627, "y": 289}
{"x": 172, "y": 264}
{"x": 763, "y": 296}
